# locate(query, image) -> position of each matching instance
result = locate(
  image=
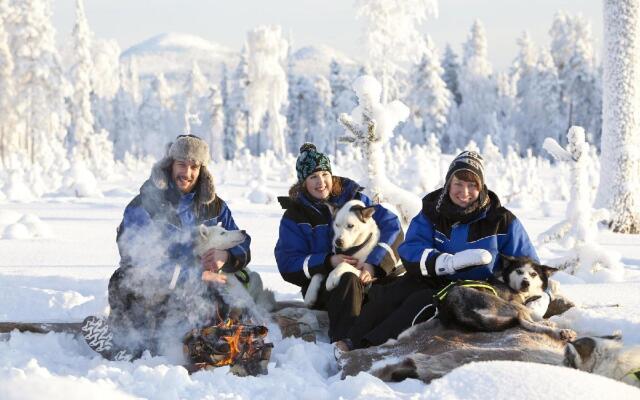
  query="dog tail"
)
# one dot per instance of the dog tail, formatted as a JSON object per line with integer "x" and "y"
{"x": 398, "y": 372}
{"x": 311, "y": 296}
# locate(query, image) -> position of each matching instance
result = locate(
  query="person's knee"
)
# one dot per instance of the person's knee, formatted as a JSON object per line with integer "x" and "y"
{"x": 349, "y": 280}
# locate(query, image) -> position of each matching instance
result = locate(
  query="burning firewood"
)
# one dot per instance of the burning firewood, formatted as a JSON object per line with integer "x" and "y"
{"x": 242, "y": 346}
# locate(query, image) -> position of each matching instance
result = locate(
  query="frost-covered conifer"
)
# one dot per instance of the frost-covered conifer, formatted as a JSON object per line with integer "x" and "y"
{"x": 42, "y": 116}
{"x": 84, "y": 143}
{"x": 267, "y": 54}
{"x": 215, "y": 125}
{"x": 342, "y": 100}
{"x": 619, "y": 189}
{"x": 105, "y": 83}
{"x": 126, "y": 135}
{"x": 195, "y": 90}
{"x": 477, "y": 88}
{"x": 572, "y": 52}
{"x": 429, "y": 99}
{"x": 237, "y": 114}
{"x": 309, "y": 113}
{"x": 451, "y": 68}
{"x": 579, "y": 230}
{"x": 391, "y": 36}
{"x": 155, "y": 117}
{"x": 8, "y": 142}
{"x": 371, "y": 125}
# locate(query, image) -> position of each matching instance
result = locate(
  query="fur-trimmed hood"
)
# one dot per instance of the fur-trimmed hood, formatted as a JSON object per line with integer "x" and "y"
{"x": 205, "y": 188}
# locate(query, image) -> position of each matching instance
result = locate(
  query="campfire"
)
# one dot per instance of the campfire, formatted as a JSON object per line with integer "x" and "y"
{"x": 242, "y": 346}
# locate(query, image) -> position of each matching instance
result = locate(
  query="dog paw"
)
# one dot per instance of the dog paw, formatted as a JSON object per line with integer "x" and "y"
{"x": 567, "y": 334}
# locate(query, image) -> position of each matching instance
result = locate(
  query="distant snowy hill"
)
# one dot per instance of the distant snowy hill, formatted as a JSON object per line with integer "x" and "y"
{"x": 315, "y": 60}
{"x": 174, "y": 53}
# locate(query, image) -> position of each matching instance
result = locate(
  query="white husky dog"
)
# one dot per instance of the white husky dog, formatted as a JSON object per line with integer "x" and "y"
{"x": 605, "y": 356}
{"x": 217, "y": 237}
{"x": 355, "y": 233}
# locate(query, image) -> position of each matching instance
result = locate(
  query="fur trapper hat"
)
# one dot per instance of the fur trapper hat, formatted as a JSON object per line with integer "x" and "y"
{"x": 186, "y": 148}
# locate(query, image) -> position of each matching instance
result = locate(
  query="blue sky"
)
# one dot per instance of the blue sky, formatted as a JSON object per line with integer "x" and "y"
{"x": 330, "y": 22}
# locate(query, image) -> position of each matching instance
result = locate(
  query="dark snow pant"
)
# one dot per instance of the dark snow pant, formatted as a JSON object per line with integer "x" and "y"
{"x": 343, "y": 304}
{"x": 137, "y": 321}
{"x": 391, "y": 309}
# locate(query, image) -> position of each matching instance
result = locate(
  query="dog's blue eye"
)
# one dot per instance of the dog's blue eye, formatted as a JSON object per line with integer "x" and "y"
{"x": 222, "y": 233}
{"x": 519, "y": 272}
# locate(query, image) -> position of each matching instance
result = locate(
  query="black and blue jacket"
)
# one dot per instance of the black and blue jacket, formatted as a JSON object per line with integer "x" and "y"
{"x": 158, "y": 227}
{"x": 304, "y": 243}
{"x": 495, "y": 229}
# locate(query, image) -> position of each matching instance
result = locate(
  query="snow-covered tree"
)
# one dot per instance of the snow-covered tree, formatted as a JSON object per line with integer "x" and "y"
{"x": 539, "y": 97}
{"x": 84, "y": 144}
{"x": 342, "y": 100}
{"x": 215, "y": 124}
{"x": 309, "y": 114}
{"x": 619, "y": 189}
{"x": 572, "y": 52}
{"x": 523, "y": 68}
{"x": 156, "y": 117}
{"x": 105, "y": 82}
{"x": 428, "y": 98}
{"x": 267, "y": 54}
{"x": 580, "y": 228}
{"x": 451, "y": 68}
{"x": 370, "y": 127}
{"x": 196, "y": 88}
{"x": 126, "y": 135}
{"x": 477, "y": 89}
{"x": 392, "y": 36}
{"x": 38, "y": 76}
{"x": 8, "y": 144}
{"x": 236, "y": 111}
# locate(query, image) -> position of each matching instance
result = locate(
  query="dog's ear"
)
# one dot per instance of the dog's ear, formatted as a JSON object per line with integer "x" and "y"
{"x": 584, "y": 347}
{"x": 367, "y": 212}
{"x": 333, "y": 209}
{"x": 547, "y": 270}
{"x": 505, "y": 267}
{"x": 203, "y": 231}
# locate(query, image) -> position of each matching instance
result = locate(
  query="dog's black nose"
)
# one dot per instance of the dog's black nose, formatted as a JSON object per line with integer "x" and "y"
{"x": 524, "y": 284}
{"x": 339, "y": 242}
{"x": 243, "y": 232}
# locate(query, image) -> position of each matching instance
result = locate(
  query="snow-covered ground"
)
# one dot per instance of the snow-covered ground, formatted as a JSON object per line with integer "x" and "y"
{"x": 61, "y": 274}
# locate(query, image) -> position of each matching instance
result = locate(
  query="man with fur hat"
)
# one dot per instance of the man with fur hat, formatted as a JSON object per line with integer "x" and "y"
{"x": 160, "y": 287}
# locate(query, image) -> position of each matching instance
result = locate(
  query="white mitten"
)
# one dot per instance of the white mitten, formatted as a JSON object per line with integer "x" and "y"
{"x": 539, "y": 307}
{"x": 447, "y": 264}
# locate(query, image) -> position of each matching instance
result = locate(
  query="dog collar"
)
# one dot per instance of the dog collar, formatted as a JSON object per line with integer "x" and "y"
{"x": 634, "y": 373}
{"x": 353, "y": 250}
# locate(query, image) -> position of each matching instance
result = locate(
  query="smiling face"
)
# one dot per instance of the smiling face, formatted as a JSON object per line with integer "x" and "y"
{"x": 319, "y": 184}
{"x": 462, "y": 192}
{"x": 185, "y": 174}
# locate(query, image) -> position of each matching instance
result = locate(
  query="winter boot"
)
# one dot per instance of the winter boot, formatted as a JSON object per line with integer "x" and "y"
{"x": 99, "y": 337}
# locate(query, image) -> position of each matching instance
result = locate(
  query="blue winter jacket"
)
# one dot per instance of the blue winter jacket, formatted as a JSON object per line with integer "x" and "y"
{"x": 158, "y": 227}
{"x": 430, "y": 234}
{"x": 304, "y": 242}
